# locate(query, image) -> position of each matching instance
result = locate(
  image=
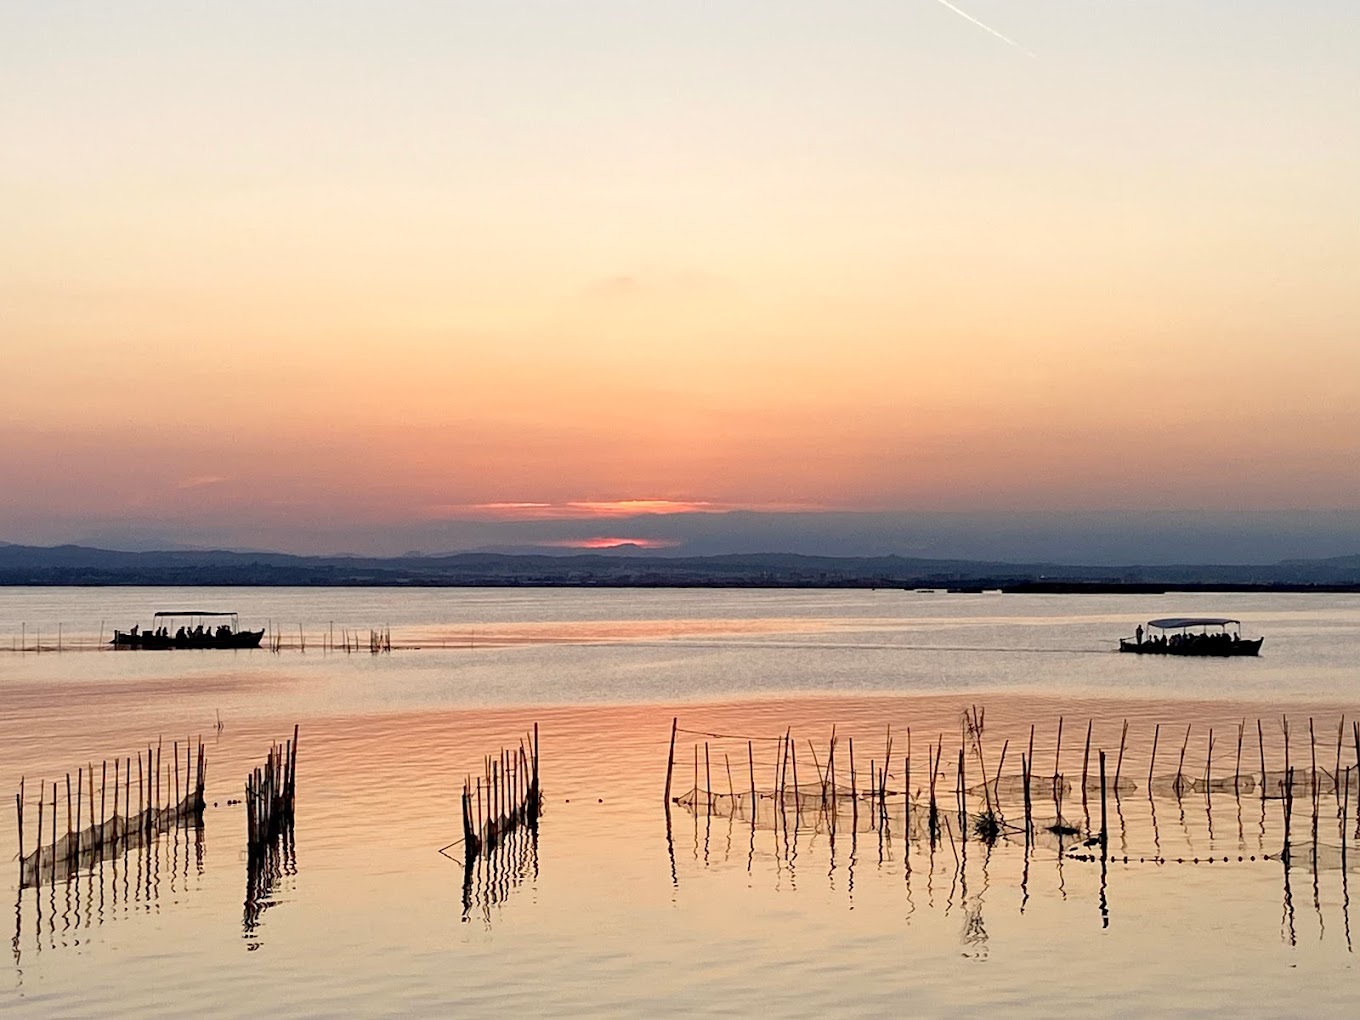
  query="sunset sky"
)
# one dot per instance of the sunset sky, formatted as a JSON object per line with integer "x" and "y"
{"x": 370, "y": 277}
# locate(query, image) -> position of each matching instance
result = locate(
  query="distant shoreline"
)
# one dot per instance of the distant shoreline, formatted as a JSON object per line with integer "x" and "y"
{"x": 973, "y": 588}
{"x": 79, "y": 566}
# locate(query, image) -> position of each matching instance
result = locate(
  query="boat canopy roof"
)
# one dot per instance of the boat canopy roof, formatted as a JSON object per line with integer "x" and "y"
{"x": 191, "y": 612}
{"x": 1177, "y": 622}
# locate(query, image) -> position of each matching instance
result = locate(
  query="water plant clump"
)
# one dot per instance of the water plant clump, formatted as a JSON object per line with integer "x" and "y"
{"x": 987, "y": 828}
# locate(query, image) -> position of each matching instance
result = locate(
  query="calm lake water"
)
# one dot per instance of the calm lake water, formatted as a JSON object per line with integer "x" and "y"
{"x": 614, "y": 909}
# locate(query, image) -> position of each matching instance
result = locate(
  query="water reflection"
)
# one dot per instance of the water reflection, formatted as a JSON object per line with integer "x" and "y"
{"x": 62, "y": 915}
{"x": 966, "y": 864}
{"x": 270, "y": 871}
{"x": 490, "y": 877}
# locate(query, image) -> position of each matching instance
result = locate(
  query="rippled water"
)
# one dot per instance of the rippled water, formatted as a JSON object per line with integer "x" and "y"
{"x": 602, "y": 913}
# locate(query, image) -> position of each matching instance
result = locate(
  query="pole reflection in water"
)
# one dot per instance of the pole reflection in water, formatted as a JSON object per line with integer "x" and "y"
{"x": 63, "y": 914}
{"x": 820, "y": 807}
{"x": 268, "y": 873}
{"x": 492, "y": 875}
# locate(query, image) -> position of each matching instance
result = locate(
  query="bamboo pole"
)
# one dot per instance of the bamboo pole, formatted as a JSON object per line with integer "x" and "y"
{"x": 670, "y": 761}
{"x": 1312, "y": 757}
{"x": 831, "y": 770}
{"x": 696, "y": 780}
{"x": 1261, "y": 746}
{"x": 1104, "y": 829}
{"x": 1209, "y": 762}
{"x": 37, "y": 863}
{"x": 906, "y": 799}
{"x": 1119, "y": 762}
{"x": 1153, "y": 760}
{"x": 1340, "y": 733}
{"x": 19, "y": 812}
{"x": 751, "y": 766}
{"x": 963, "y": 800}
{"x": 1284, "y": 725}
{"x": 854, "y": 789}
{"x": 1005, "y": 746}
{"x": 1086, "y": 758}
{"x": 53, "y": 874}
{"x": 1237, "y": 768}
{"x": 708, "y": 781}
{"x": 1180, "y": 766}
{"x": 1057, "y": 755}
{"x": 1025, "y": 776}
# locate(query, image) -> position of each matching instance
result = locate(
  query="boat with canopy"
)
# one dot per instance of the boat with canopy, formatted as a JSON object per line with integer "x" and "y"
{"x": 189, "y": 628}
{"x": 1191, "y": 635}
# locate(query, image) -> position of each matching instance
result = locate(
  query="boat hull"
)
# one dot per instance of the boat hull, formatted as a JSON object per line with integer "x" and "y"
{"x": 1207, "y": 649}
{"x": 150, "y": 642}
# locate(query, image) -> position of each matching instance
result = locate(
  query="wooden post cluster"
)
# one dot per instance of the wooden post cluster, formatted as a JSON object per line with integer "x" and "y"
{"x": 505, "y": 798}
{"x": 270, "y": 797}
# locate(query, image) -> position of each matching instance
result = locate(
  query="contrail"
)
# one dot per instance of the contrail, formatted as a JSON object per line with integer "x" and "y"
{"x": 987, "y": 28}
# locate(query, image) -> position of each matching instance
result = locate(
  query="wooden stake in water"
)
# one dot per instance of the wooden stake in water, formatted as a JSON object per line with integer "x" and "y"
{"x": 1180, "y": 765}
{"x": 1104, "y": 828}
{"x": 1237, "y": 768}
{"x": 19, "y": 809}
{"x": 37, "y": 863}
{"x": 854, "y": 789}
{"x": 1152, "y": 762}
{"x": 1119, "y": 762}
{"x": 1086, "y": 758}
{"x": 1340, "y": 732}
{"x": 1057, "y": 755}
{"x": 708, "y": 782}
{"x": 53, "y": 874}
{"x": 1261, "y": 745}
{"x": 1209, "y": 763}
{"x": 751, "y": 764}
{"x": 1312, "y": 756}
{"x": 670, "y": 762}
{"x": 906, "y": 799}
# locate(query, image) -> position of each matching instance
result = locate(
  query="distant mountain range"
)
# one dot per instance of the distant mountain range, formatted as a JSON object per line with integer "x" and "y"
{"x": 80, "y": 565}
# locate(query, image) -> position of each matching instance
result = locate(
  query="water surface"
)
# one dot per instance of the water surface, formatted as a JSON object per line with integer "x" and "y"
{"x": 602, "y": 914}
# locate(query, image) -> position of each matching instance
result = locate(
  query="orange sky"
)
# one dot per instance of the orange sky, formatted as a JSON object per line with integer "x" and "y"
{"x": 371, "y": 270}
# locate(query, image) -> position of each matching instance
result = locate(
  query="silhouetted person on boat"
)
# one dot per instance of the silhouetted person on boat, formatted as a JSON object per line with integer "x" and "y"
{"x": 1138, "y": 633}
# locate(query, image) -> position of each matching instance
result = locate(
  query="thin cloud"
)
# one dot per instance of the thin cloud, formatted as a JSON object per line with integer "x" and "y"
{"x": 597, "y": 509}
{"x": 986, "y": 28}
{"x": 201, "y": 481}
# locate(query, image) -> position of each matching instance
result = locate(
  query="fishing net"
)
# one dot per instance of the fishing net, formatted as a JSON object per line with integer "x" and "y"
{"x": 76, "y": 851}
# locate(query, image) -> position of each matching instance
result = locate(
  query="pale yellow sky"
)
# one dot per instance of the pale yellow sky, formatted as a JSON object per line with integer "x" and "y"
{"x": 868, "y": 258}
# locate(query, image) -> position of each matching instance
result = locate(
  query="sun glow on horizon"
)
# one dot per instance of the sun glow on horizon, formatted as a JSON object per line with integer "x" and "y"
{"x": 605, "y": 542}
{"x": 593, "y": 509}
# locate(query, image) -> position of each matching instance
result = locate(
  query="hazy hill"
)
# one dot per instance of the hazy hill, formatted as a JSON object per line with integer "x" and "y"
{"x": 80, "y": 565}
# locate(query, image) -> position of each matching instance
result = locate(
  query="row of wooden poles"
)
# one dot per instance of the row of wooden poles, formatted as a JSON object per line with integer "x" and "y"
{"x": 270, "y": 797}
{"x": 166, "y": 794}
{"x": 503, "y": 798}
{"x": 823, "y": 792}
{"x": 376, "y": 641}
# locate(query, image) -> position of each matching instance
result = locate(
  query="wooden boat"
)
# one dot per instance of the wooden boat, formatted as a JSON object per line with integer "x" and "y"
{"x": 197, "y": 631}
{"x": 1191, "y": 635}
